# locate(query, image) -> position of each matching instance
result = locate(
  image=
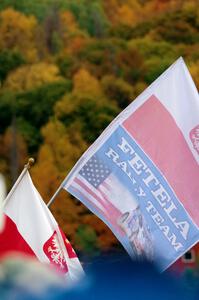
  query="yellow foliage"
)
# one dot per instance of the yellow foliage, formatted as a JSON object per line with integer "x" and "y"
{"x": 17, "y": 32}
{"x": 60, "y": 151}
{"x": 189, "y": 6}
{"x": 44, "y": 173}
{"x": 69, "y": 25}
{"x": 32, "y": 76}
{"x": 86, "y": 84}
{"x": 123, "y": 12}
{"x": 194, "y": 70}
{"x": 65, "y": 106}
{"x": 67, "y": 145}
{"x": 129, "y": 15}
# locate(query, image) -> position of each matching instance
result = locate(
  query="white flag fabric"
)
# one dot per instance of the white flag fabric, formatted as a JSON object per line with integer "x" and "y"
{"x": 141, "y": 176}
{"x": 31, "y": 229}
{"x": 2, "y": 198}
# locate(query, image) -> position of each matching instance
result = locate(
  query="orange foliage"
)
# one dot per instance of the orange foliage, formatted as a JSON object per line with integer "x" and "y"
{"x": 129, "y": 13}
{"x": 12, "y": 142}
{"x": 123, "y": 12}
{"x": 161, "y": 6}
{"x": 72, "y": 37}
{"x": 68, "y": 23}
{"x": 77, "y": 43}
{"x": 111, "y": 8}
{"x": 17, "y": 32}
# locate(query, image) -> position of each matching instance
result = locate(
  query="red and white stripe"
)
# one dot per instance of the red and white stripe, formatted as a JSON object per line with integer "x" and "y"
{"x": 30, "y": 226}
{"x": 156, "y": 131}
{"x": 106, "y": 197}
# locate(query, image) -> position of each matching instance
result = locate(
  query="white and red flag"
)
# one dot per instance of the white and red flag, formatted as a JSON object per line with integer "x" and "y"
{"x": 31, "y": 229}
{"x": 141, "y": 175}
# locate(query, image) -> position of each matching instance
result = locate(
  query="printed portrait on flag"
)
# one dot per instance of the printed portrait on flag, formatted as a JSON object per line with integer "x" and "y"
{"x": 104, "y": 190}
{"x": 141, "y": 175}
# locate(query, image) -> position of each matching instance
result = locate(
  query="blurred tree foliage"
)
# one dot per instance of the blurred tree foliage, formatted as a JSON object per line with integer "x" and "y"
{"x": 67, "y": 69}
{"x": 9, "y": 60}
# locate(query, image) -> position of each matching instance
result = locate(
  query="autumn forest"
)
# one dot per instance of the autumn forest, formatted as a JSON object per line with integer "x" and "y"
{"x": 67, "y": 68}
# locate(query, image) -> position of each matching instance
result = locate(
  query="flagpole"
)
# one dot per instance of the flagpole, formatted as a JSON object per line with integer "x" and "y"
{"x": 54, "y": 196}
{"x": 26, "y": 168}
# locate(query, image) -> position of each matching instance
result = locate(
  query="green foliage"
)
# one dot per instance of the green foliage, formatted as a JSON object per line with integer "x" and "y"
{"x": 100, "y": 52}
{"x": 159, "y": 55}
{"x": 92, "y": 116}
{"x": 67, "y": 66}
{"x": 38, "y": 8}
{"x": 97, "y": 118}
{"x": 149, "y": 47}
{"x": 33, "y": 109}
{"x": 9, "y": 60}
{"x": 7, "y": 109}
{"x": 90, "y": 16}
{"x": 37, "y": 105}
{"x": 176, "y": 30}
{"x": 132, "y": 32}
{"x": 30, "y": 133}
{"x": 112, "y": 56}
{"x": 118, "y": 90}
{"x": 56, "y": 42}
{"x": 155, "y": 67}
{"x": 86, "y": 238}
{"x": 52, "y": 31}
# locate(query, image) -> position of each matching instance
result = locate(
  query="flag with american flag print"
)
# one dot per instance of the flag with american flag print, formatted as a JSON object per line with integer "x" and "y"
{"x": 141, "y": 175}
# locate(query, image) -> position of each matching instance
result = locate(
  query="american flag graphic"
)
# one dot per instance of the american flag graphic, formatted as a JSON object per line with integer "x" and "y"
{"x": 101, "y": 188}
{"x": 95, "y": 172}
{"x": 93, "y": 182}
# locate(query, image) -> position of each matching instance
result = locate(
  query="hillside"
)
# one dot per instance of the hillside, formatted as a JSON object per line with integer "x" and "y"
{"x": 67, "y": 69}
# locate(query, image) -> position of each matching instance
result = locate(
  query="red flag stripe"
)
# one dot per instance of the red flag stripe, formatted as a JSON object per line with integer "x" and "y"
{"x": 12, "y": 241}
{"x": 155, "y": 130}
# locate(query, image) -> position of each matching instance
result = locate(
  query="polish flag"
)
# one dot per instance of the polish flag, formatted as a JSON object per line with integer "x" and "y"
{"x": 31, "y": 229}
